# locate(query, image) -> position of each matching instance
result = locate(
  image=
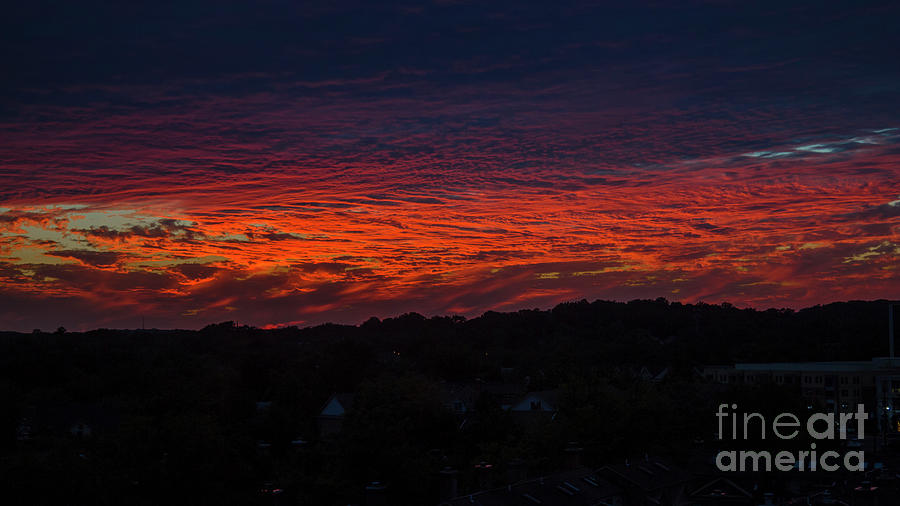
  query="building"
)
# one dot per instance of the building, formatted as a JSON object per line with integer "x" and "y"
{"x": 535, "y": 407}
{"x": 331, "y": 418}
{"x": 650, "y": 482}
{"x": 66, "y": 419}
{"x": 582, "y": 487}
{"x": 458, "y": 398}
{"x": 838, "y": 386}
{"x": 721, "y": 492}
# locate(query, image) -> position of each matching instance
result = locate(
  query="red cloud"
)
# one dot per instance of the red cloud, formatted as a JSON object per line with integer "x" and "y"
{"x": 277, "y": 208}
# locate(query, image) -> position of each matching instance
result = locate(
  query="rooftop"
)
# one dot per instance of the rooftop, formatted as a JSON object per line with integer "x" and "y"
{"x": 878, "y": 363}
{"x": 577, "y": 487}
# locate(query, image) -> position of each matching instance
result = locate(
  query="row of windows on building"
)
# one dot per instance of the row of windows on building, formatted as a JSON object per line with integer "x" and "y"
{"x": 783, "y": 379}
{"x": 820, "y": 379}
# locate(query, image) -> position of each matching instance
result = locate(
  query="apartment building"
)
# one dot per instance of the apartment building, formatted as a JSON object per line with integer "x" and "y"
{"x": 838, "y": 386}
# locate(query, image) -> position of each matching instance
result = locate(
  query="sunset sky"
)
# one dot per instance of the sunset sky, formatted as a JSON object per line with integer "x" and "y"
{"x": 292, "y": 163}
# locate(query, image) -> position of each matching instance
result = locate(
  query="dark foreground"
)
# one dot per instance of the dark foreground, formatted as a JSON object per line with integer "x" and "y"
{"x": 565, "y": 404}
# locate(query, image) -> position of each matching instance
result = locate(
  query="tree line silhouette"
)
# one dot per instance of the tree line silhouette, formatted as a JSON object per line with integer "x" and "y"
{"x": 226, "y": 414}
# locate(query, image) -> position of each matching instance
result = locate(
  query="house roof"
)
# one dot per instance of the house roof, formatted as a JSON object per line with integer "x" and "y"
{"x": 580, "y": 487}
{"x": 455, "y": 391}
{"x": 649, "y": 473}
{"x": 720, "y": 488}
{"x": 500, "y": 389}
{"x": 653, "y": 373}
{"x": 62, "y": 416}
{"x": 338, "y": 404}
{"x": 549, "y": 400}
{"x": 877, "y": 364}
{"x": 825, "y": 367}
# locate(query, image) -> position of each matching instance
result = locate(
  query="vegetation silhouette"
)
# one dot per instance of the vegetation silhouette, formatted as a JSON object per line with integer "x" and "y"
{"x": 227, "y": 414}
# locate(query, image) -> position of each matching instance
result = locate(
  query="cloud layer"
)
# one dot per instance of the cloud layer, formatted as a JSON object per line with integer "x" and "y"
{"x": 479, "y": 158}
